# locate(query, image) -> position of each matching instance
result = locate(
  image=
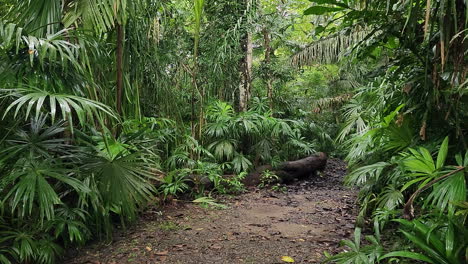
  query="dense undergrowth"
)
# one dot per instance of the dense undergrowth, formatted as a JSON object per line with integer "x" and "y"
{"x": 110, "y": 106}
{"x": 77, "y": 186}
{"x": 405, "y": 131}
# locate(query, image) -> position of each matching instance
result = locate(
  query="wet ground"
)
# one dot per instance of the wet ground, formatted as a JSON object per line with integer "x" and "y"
{"x": 260, "y": 226}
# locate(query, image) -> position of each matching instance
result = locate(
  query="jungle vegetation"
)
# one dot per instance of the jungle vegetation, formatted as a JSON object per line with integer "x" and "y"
{"x": 100, "y": 99}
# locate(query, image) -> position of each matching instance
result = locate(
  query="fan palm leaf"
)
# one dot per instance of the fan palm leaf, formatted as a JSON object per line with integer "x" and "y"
{"x": 38, "y": 141}
{"x": 123, "y": 181}
{"x": 31, "y": 187}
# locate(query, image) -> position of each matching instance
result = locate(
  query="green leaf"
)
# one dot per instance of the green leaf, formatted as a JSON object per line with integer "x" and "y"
{"x": 319, "y": 29}
{"x": 442, "y": 153}
{"x": 357, "y": 237}
{"x": 420, "y": 243}
{"x": 320, "y": 10}
{"x": 408, "y": 254}
{"x": 449, "y": 241}
{"x": 459, "y": 159}
{"x": 430, "y": 238}
{"x": 331, "y": 2}
{"x": 389, "y": 118}
{"x": 465, "y": 161}
{"x": 68, "y": 105}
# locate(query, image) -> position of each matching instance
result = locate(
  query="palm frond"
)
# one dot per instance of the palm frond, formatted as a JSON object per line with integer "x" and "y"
{"x": 367, "y": 173}
{"x": 31, "y": 186}
{"x": 241, "y": 163}
{"x": 52, "y": 48}
{"x": 448, "y": 192}
{"x": 331, "y": 48}
{"x": 223, "y": 149}
{"x": 39, "y": 17}
{"x": 330, "y": 102}
{"x": 99, "y": 16}
{"x": 35, "y": 100}
{"x": 37, "y": 141}
{"x": 122, "y": 180}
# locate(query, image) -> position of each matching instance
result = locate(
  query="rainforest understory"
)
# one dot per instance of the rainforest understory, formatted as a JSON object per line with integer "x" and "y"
{"x": 233, "y": 131}
{"x": 302, "y": 221}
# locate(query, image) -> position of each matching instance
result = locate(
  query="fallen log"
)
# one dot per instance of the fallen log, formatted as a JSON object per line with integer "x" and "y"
{"x": 290, "y": 170}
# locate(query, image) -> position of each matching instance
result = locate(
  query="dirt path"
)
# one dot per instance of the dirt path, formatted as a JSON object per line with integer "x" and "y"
{"x": 258, "y": 227}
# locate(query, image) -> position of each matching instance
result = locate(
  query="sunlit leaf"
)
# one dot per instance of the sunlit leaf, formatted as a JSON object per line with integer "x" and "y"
{"x": 287, "y": 259}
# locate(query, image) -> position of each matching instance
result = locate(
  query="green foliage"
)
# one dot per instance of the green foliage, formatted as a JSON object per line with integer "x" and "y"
{"x": 394, "y": 121}
{"x": 362, "y": 254}
{"x": 169, "y": 226}
{"x": 70, "y": 189}
{"x": 232, "y": 184}
{"x": 175, "y": 182}
{"x": 26, "y": 245}
{"x": 440, "y": 242}
{"x": 207, "y": 201}
{"x": 268, "y": 178}
{"x": 396, "y": 87}
{"x": 81, "y": 156}
{"x": 255, "y": 135}
{"x": 69, "y": 105}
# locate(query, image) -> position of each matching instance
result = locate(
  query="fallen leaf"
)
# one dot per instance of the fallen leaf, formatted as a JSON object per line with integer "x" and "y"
{"x": 162, "y": 253}
{"x": 216, "y": 247}
{"x": 148, "y": 249}
{"x": 287, "y": 259}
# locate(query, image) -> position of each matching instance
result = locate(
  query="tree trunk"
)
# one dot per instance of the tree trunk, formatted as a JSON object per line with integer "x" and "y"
{"x": 290, "y": 170}
{"x": 119, "y": 65}
{"x": 246, "y": 74}
{"x": 246, "y": 68}
{"x": 269, "y": 81}
{"x": 249, "y": 63}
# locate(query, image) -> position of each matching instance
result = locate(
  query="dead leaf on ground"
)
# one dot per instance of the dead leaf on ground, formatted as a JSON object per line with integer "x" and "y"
{"x": 287, "y": 259}
{"x": 215, "y": 247}
{"x": 180, "y": 246}
{"x": 162, "y": 253}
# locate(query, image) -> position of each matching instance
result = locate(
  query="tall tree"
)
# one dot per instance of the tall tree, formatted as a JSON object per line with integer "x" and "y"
{"x": 198, "y": 12}
{"x": 245, "y": 86}
{"x": 269, "y": 81}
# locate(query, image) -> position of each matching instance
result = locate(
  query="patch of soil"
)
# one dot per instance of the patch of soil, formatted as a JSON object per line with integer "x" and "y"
{"x": 261, "y": 226}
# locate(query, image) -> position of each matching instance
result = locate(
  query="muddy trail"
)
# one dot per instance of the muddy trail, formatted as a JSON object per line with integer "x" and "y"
{"x": 260, "y": 226}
